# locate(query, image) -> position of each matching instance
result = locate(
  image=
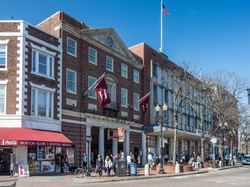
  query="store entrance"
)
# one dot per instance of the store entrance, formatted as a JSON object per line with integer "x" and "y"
{"x": 5, "y": 160}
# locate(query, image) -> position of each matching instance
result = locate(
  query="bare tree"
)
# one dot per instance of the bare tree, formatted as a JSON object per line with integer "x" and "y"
{"x": 227, "y": 89}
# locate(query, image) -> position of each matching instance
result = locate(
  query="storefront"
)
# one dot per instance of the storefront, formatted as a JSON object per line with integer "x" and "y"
{"x": 30, "y": 151}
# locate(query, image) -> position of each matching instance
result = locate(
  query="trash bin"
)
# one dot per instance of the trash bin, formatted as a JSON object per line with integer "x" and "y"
{"x": 121, "y": 167}
{"x": 146, "y": 170}
{"x": 133, "y": 169}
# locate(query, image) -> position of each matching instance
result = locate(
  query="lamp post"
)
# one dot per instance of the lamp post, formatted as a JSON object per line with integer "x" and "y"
{"x": 164, "y": 108}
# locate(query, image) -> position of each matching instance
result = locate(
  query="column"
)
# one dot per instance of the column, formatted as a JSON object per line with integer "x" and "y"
{"x": 144, "y": 148}
{"x": 114, "y": 146}
{"x": 101, "y": 142}
{"x": 127, "y": 140}
{"x": 88, "y": 146}
{"x": 171, "y": 148}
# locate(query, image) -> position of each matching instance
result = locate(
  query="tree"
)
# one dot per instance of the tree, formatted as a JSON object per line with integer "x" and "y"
{"x": 226, "y": 92}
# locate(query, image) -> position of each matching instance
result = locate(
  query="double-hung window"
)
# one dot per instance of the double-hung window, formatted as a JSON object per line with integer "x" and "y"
{"x": 92, "y": 56}
{"x": 109, "y": 64}
{"x": 42, "y": 103}
{"x": 71, "y": 47}
{"x": 124, "y": 97}
{"x": 136, "y": 76}
{"x": 91, "y": 92}
{"x": 42, "y": 64}
{"x": 2, "y": 98}
{"x": 135, "y": 101}
{"x": 124, "y": 70}
{"x": 3, "y": 56}
{"x": 71, "y": 81}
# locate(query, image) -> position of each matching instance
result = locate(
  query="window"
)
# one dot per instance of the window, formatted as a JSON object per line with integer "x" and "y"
{"x": 71, "y": 47}
{"x": 136, "y": 76}
{"x": 124, "y": 70}
{"x": 42, "y": 64}
{"x": 91, "y": 92}
{"x": 71, "y": 81}
{"x": 124, "y": 97}
{"x": 2, "y": 98}
{"x": 42, "y": 103}
{"x": 135, "y": 101}
{"x": 109, "y": 64}
{"x": 3, "y": 56}
{"x": 92, "y": 56}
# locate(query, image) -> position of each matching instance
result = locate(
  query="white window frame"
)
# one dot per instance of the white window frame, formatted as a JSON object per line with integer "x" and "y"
{"x": 124, "y": 70}
{"x": 135, "y": 102}
{"x": 112, "y": 62}
{"x": 4, "y": 83}
{"x": 48, "y": 92}
{"x": 5, "y": 44}
{"x": 75, "y": 83}
{"x": 136, "y": 76}
{"x": 35, "y": 70}
{"x": 75, "y": 47}
{"x": 125, "y": 91}
{"x": 90, "y": 96}
{"x": 90, "y": 61}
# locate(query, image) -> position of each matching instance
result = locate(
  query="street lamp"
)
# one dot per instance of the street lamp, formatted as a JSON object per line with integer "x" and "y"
{"x": 164, "y": 108}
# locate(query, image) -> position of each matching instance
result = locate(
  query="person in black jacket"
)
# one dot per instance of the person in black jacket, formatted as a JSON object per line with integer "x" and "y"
{"x": 99, "y": 164}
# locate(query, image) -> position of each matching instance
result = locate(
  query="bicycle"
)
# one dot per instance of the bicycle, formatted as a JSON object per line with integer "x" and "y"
{"x": 82, "y": 172}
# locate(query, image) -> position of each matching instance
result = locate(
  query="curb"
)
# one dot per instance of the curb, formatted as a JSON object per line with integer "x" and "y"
{"x": 229, "y": 167}
{"x": 147, "y": 177}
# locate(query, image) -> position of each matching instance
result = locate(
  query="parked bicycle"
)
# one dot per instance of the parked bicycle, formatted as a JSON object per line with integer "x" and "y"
{"x": 82, "y": 172}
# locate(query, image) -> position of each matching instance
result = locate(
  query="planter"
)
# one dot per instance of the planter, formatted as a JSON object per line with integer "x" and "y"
{"x": 187, "y": 168}
{"x": 168, "y": 168}
{"x": 205, "y": 165}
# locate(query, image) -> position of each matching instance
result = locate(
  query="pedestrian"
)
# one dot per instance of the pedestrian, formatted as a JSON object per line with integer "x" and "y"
{"x": 99, "y": 163}
{"x": 150, "y": 158}
{"x": 108, "y": 165}
{"x": 129, "y": 160}
{"x": 115, "y": 160}
{"x": 84, "y": 161}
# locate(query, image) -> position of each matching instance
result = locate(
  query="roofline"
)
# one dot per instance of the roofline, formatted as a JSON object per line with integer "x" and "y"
{"x": 58, "y": 12}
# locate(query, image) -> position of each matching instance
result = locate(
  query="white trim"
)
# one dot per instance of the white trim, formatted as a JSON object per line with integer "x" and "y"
{"x": 43, "y": 49}
{"x": 75, "y": 75}
{"x": 4, "y": 42}
{"x": 5, "y": 99}
{"x": 125, "y": 90}
{"x": 10, "y": 34}
{"x": 42, "y": 87}
{"x": 32, "y": 38}
{"x": 60, "y": 80}
{"x": 135, "y": 81}
{"x": 109, "y": 57}
{"x": 91, "y": 62}
{"x": 124, "y": 65}
{"x": 73, "y": 121}
{"x": 44, "y": 21}
{"x": 69, "y": 53}
{"x": 89, "y": 76}
{"x": 3, "y": 81}
{"x": 134, "y": 130}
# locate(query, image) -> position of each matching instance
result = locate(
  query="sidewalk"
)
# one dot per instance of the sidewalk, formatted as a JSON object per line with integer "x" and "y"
{"x": 68, "y": 180}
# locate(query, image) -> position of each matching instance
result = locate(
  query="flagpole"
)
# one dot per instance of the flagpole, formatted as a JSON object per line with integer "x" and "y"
{"x": 95, "y": 83}
{"x": 161, "y": 48}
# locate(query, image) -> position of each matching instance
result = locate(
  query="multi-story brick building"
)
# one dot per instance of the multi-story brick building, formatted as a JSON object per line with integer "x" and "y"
{"x": 194, "y": 120}
{"x": 30, "y": 89}
{"x": 87, "y": 54}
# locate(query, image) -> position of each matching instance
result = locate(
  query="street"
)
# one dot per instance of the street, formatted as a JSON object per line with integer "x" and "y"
{"x": 224, "y": 178}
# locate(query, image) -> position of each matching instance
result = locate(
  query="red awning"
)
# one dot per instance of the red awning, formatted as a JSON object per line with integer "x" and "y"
{"x": 25, "y": 136}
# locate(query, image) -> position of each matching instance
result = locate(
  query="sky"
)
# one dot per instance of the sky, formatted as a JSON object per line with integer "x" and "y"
{"x": 213, "y": 35}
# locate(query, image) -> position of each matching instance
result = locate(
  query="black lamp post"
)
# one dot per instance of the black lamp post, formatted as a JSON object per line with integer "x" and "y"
{"x": 164, "y": 108}
{"x": 223, "y": 126}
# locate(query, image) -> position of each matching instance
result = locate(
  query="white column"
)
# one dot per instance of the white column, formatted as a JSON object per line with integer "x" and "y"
{"x": 144, "y": 149}
{"x": 88, "y": 137}
{"x": 101, "y": 142}
{"x": 127, "y": 140}
{"x": 114, "y": 146}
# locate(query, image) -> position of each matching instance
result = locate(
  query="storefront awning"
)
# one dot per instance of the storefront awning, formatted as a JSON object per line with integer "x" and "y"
{"x": 25, "y": 137}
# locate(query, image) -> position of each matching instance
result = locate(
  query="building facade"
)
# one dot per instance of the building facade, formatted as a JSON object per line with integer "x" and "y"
{"x": 87, "y": 54}
{"x": 194, "y": 120}
{"x": 30, "y": 86}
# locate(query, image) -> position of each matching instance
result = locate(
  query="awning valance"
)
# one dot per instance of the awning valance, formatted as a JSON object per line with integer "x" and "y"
{"x": 26, "y": 136}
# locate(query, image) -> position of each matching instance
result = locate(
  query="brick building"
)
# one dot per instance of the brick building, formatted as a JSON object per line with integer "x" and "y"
{"x": 87, "y": 54}
{"x": 30, "y": 89}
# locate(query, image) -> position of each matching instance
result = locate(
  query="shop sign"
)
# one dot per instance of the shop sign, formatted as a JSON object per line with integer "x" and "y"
{"x": 9, "y": 142}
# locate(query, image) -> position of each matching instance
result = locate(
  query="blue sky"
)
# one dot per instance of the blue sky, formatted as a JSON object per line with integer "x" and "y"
{"x": 213, "y": 35}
